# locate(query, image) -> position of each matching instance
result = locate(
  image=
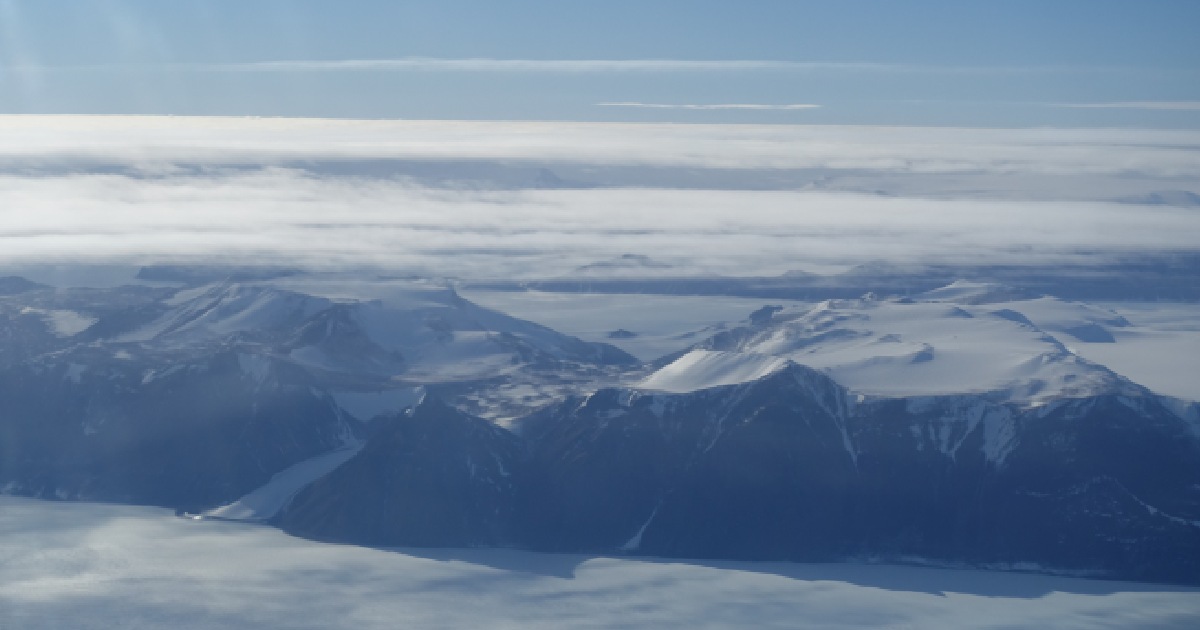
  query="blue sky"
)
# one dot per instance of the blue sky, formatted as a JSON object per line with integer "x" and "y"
{"x": 920, "y": 62}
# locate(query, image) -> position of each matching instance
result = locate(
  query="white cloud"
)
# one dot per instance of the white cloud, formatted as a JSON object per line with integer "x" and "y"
{"x": 532, "y": 65}
{"x": 286, "y": 217}
{"x": 1148, "y": 105}
{"x": 69, "y": 564}
{"x": 155, "y": 142}
{"x": 126, "y": 190}
{"x": 484, "y": 64}
{"x": 718, "y": 106}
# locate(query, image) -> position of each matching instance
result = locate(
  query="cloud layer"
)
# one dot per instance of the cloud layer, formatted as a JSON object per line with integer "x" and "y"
{"x": 573, "y": 66}
{"x": 1147, "y": 105}
{"x": 713, "y": 107}
{"x": 159, "y": 142}
{"x": 285, "y": 217}
{"x": 64, "y": 197}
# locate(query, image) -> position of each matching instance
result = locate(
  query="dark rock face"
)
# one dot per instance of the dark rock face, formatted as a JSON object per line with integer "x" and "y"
{"x": 87, "y": 415}
{"x": 772, "y": 485}
{"x": 437, "y": 477}
{"x": 12, "y": 285}
{"x": 610, "y": 463}
{"x": 1105, "y": 484}
{"x": 786, "y": 468}
{"x": 203, "y": 432}
{"x": 763, "y": 316}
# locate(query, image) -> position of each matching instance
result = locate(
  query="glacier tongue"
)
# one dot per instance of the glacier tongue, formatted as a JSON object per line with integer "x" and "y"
{"x": 266, "y": 501}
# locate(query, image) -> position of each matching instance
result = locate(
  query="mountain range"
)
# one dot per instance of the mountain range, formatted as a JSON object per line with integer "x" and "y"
{"x": 970, "y": 425}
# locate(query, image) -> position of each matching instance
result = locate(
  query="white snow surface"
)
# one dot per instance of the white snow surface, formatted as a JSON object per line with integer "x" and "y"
{"x": 1158, "y": 347}
{"x": 968, "y": 292}
{"x": 439, "y": 336}
{"x": 886, "y": 346}
{"x": 267, "y": 500}
{"x": 366, "y": 405}
{"x": 224, "y": 308}
{"x": 1028, "y": 351}
{"x": 91, "y": 566}
{"x": 63, "y": 323}
{"x": 701, "y": 369}
{"x": 663, "y": 323}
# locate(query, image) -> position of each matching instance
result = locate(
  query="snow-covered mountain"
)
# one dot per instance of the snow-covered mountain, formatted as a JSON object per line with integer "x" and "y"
{"x": 193, "y": 397}
{"x": 1006, "y": 448}
{"x": 787, "y": 466}
{"x": 966, "y": 338}
{"x": 426, "y": 334}
{"x": 973, "y": 424}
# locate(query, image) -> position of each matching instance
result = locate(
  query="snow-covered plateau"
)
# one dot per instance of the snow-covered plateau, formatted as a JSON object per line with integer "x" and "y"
{"x": 966, "y": 337}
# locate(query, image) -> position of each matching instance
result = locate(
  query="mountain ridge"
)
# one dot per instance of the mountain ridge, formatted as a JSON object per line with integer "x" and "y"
{"x": 793, "y": 467}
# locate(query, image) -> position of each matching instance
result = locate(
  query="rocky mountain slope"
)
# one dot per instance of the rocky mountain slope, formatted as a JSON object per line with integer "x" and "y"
{"x": 788, "y": 466}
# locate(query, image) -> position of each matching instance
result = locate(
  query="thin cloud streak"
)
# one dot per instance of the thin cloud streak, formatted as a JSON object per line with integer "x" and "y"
{"x": 531, "y": 65}
{"x": 157, "y": 143}
{"x": 1146, "y": 105}
{"x": 566, "y": 66}
{"x": 717, "y": 106}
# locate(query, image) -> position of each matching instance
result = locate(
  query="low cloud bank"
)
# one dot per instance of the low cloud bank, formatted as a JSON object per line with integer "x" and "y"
{"x": 163, "y": 141}
{"x": 277, "y": 215}
{"x": 715, "y": 106}
{"x": 283, "y": 217}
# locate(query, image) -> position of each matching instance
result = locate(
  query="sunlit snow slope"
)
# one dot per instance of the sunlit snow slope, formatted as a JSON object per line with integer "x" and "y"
{"x": 965, "y": 338}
